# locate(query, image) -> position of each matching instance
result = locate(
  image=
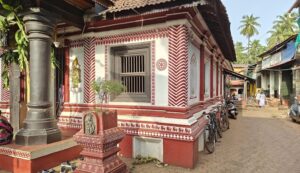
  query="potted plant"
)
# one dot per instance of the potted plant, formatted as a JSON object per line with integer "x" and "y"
{"x": 105, "y": 89}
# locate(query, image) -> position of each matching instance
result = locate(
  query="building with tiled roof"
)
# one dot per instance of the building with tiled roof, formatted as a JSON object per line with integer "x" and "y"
{"x": 170, "y": 55}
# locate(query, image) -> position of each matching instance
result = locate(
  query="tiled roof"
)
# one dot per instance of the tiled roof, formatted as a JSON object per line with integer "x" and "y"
{"x": 120, "y": 5}
{"x": 213, "y": 12}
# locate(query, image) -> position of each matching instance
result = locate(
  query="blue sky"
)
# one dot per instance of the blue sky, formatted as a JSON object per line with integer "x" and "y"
{"x": 267, "y": 10}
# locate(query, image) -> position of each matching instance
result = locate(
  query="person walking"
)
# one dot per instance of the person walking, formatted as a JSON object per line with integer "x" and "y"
{"x": 262, "y": 100}
{"x": 257, "y": 97}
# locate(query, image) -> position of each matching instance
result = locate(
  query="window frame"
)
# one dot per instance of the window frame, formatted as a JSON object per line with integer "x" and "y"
{"x": 207, "y": 64}
{"x": 115, "y": 71}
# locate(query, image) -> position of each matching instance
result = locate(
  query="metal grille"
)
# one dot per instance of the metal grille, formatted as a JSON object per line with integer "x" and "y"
{"x": 133, "y": 73}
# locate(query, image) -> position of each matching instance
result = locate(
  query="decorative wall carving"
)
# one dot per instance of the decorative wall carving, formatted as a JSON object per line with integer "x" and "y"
{"x": 90, "y": 124}
{"x": 161, "y": 64}
{"x": 76, "y": 74}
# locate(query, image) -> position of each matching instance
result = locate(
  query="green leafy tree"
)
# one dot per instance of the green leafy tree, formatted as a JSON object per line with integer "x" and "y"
{"x": 241, "y": 57}
{"x": 256, "y": 48}
{"x": 284, "y": 27}
{"x": 249, "y": 27}
{"x": 17, "y": 50}
{"x": 104, "y": 88}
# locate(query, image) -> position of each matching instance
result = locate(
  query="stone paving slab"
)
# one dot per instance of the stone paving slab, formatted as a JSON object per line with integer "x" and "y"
{"x": 259, "y": 141}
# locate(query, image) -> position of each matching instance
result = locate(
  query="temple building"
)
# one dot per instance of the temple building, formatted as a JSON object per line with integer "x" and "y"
{"x": 169, "y": 54}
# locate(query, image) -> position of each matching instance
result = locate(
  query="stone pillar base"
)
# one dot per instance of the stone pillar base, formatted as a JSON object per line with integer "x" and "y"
{"x": 37, "y": 137}
{"x": 32, "y": 159}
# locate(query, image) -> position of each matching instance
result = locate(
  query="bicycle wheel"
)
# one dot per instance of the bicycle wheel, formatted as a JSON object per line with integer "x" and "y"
{"x": 224, "y": 122}
{"x": 210, "y": 142}
{"x": 219, "y": 130}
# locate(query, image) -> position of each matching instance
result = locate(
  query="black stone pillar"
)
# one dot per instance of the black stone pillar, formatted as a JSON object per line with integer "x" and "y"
{"x": 40, "y": 125}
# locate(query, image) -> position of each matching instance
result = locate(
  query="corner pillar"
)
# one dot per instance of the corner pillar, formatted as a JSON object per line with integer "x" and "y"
{"x": 40, "y": 125}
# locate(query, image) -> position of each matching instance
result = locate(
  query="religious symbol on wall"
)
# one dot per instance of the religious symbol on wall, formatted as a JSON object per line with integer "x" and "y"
{"x": 75, "y": 74}
{"x": 161, "y": 64}
{"x": 89, "y": 124}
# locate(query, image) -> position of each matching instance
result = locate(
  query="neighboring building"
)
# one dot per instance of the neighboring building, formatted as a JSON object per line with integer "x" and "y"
{"x": 278, "y": 76}
{"x": 171, "y": 57}
{"x": 245, "y": 81}
{"x": 237, "y": 84}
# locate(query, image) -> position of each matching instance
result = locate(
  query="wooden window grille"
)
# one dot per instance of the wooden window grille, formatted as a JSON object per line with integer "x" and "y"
{"x": 131, "y": 66}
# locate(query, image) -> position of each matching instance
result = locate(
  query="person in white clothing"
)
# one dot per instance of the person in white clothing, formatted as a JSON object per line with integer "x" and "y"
{"x": 257, "y": 97}
{"x": 262, "y": 100}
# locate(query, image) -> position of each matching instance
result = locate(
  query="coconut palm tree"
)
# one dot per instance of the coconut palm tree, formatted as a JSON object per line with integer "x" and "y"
{"x": 256, "y": 49}
{"x": 277, "y": 35}
{"x": 284, "y": 27}
{"x": 249, "y": 27}
{"x": 288, "y": 22}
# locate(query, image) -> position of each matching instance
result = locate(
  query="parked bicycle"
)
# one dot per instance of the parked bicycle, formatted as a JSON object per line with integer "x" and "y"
{"x": 224, "y": 120}
{"x": 211, "y": 132}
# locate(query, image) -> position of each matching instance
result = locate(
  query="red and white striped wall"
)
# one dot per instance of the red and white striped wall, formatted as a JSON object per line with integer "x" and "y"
{"x": 170, "y": 115}
{"x": 178, "y": 65}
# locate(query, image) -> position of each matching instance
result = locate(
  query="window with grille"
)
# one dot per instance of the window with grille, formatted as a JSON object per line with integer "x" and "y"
{"x": 131, "y": 66}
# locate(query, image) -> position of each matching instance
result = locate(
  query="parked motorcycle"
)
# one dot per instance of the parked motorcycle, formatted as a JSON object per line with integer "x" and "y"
{"x": 294, "y": 111}
{"x": 231, "y": 109}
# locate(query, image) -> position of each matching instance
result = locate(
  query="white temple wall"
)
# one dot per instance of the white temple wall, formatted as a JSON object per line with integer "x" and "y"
{"x": 193, "y": 74}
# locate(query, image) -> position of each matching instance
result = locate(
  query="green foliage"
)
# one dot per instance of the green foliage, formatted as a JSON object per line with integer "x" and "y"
{"x": 284, "y": 27}
{"x": 241, "y": 56}
{"x": 107, "y": 87}
{"x": 251, "y": 57}
{"x": 256, "y": 48}
{"x": 21, "y": 47}
{"x": 7, "y": 58}
{"x": 20, "y": 50}
{"x": 249, "y": 27}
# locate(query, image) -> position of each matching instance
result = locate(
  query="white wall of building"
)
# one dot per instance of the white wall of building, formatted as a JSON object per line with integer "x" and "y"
{"x": 193, "y": 74}
{"x": 161, "y": 77}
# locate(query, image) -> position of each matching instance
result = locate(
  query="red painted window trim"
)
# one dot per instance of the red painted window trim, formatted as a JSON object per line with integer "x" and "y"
{"x": 66, "y": 75}
{"x": 217, "y": 76}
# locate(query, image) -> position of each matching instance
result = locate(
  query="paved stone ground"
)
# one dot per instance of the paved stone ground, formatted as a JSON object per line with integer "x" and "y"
{"x": 259, "y": 141}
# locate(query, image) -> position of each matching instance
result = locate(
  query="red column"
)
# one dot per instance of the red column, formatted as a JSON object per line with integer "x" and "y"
{"x": 217, "y": 76}
{"x": 221, "y": 85}
{"x": 66, "y": 75}
{"x": 202, "y": 73}
{"x": 211, "y": 77}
